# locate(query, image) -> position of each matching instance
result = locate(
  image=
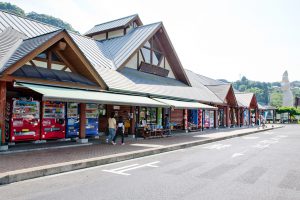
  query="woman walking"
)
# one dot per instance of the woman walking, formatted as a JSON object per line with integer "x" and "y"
{"x": 120, "y": 130}
{"x": 112, "y": 124}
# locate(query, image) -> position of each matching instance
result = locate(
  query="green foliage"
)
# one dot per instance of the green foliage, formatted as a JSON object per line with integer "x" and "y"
{"x": 261, "y": 89}
{"x": 33, "y": 15}
{"x": 50, "y": 20}
{"x": 276, "y": 99}
{"x": 12, "y": 8}
{"x": 292, "y": 110}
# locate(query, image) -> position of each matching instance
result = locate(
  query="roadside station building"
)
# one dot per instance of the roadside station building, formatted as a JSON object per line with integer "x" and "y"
{"x": 56, "y": 84}
{"x": 248, "y": 107}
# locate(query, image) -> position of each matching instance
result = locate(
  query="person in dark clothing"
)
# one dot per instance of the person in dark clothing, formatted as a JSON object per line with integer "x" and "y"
{"x": 120, "y": 130}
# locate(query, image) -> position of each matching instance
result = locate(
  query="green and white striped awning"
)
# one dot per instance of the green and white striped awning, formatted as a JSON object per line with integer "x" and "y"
{"x": 52, "y": 93}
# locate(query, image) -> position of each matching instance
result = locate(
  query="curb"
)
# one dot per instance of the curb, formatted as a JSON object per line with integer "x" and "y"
{"x": 30, "y": 173}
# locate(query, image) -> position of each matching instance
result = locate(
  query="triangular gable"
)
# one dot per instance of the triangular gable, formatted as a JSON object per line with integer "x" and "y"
{"x": 247, "y": 100}
{"x": 123, "y": 48}
{"x": 31, "y": 48}
{"x": 225, "y": 92}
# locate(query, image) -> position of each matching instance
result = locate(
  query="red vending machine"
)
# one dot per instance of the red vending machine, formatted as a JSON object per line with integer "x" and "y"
{"x": 53, "y": 120}
{"x": 25, "y": 120}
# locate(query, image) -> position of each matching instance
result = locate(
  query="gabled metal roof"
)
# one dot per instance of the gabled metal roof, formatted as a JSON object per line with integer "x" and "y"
{"x": 118, "y": 23}
{"x": 133, "y": 81}
{"x": 244, "y": 99}
{"x": 27, "y": 46}
{"x": 10, "y": 39}
{"x": 29, "y": 27}
{"x": 220, "y": 90}
{"x": 94, "y": 51}
{"x": 203, "y": 80}
{"x": 121, "y": 48}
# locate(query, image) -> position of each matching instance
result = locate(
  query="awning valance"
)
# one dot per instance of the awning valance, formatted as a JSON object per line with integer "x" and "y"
{"x": 185, "y": 104}
{"x": 51, "y": 93}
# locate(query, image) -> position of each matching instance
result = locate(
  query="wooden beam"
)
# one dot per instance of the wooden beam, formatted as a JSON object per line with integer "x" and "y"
{"x": 85, "y": 62}
{"x": 32, "y": 63}
{"x": 2, "y": 110}
{"x": 67, "y": 63}
{"x": 34, "y": 53}
{"x": 82, "y": 120}
{"x": 62, "y": 46}
{"x": 49, "y": 59}
{"x": 45, "y": 60}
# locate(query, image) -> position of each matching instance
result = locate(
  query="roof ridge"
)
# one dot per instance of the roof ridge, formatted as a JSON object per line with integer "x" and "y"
{"x": 115, "y": 20}
{"x": 143, "y": 26}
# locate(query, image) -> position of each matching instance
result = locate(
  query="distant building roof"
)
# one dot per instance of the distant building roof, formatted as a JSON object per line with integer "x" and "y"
{"x": 112, "y": 25}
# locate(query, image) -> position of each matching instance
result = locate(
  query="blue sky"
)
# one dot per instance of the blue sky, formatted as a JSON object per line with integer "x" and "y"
{"x": 259, "y": 39}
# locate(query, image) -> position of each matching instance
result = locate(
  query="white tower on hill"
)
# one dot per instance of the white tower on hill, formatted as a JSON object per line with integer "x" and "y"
{"x": 286, "y": 90}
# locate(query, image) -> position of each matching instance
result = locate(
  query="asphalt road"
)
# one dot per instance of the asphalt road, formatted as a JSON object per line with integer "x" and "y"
{"x": 259, "y": 166}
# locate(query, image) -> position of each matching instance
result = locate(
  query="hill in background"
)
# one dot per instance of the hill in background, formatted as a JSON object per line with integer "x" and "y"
{"x": 33, "y": 15}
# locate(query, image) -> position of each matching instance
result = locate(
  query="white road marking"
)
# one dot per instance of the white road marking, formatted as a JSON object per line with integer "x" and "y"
{"x": 217, "y": 146}
{"x": 121, "y": 170}
{"x": 250, "y": 137}
{"x": 147, "y": 145}
{"x": 266, "y": 143}
{"x": 238, "y": 154}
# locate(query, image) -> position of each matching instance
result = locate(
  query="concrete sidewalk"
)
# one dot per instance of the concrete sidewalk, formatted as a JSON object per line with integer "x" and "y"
{"x": 32, "y": 164}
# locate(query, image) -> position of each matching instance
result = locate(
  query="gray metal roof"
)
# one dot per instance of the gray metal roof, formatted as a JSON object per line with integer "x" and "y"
{"x": 111, "y": 24}
{"x": 121, "y": 48}
{"x": 134, "y": 81}
{"x": 48, "y": 74}
{"x": 29, "y": 27}
{"x": 200, "y": 79}
{"x": 94, "y": 51}
{"x": 10, "y": 39}
{"x": 27, "y": 46}
{"x": 107, "y": 56}
{"x": 244, "y": 99}
{"x": 220, "y": 90}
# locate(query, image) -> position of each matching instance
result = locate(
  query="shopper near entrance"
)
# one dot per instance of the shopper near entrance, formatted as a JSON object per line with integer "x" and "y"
{"x": 112, "y": 124}
{"x": 120, "y": 130}
{"x": 167, "y": 124}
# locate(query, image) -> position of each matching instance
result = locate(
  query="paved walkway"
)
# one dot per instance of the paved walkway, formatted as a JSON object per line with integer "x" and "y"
{"x": 39, "y": 157}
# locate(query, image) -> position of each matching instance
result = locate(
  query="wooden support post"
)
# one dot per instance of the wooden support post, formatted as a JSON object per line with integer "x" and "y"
{"x": 132, "y": 120}
{"x": 185, "y": 119}
{"x": 49, "y": 59}
{"x": 256, "y": 116}
{"x": 227, "y": 117}
{"x": 82, "y": 120}
{"x": 238, "y": 117}
{"x": 2, "y": 110}
{"x": 216, "y": 119}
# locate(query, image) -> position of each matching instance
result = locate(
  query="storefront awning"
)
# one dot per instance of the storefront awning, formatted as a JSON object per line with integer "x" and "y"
{"x": 51, "y": 93}
{"x": 185, "y": 104}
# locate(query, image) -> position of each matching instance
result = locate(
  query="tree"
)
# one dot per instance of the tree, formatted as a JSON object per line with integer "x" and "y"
{"x": 50, "y": 20}
{"x": 33, "y": 15}
{"x": 12, "y": 8}
{"x": 276, "y": 99}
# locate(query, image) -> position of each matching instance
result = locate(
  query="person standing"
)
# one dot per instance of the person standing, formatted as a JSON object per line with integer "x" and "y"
{"x": 120, "y": 130}
{"x": 167, "y": 124}
{"x": 112, "y": 124}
